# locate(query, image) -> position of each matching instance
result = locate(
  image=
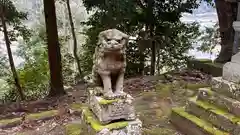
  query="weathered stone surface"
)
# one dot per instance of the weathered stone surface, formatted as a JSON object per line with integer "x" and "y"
{"x": 109, "y": 62}
{"x": 231, "y": 72}
{"x": 46, "y": 115}
{"x": 94, "y": 127}
{"x": 192, "y": 125}
{"x": 221, "y": 101}
{"x": 236, "y": 58}
{"x": 218, "y": 117}
{"x": 110, "y": 110}
{"x": 236, "y": 25}
{"x": 225, "y": 87}
{"x": 206, "y": 66}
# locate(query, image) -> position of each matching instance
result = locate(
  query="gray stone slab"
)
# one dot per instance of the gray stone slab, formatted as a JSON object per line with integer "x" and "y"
{"x": 229, "y": 89}
{"x": 231, "y": 72}
{"x": 219, "y": 100}
{"x": 111, "y": 110}
{"x": 92, "y": 126}
{"x": 236, "y": 58}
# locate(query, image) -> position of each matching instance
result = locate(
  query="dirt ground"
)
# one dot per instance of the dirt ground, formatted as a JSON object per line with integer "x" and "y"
{"x": 154, "y": 98}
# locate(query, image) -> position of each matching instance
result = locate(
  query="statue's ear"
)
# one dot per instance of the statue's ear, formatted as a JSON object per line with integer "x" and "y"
{"x": 101, "y": 37}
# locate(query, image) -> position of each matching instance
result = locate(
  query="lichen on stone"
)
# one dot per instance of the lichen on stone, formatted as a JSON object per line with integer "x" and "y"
{"x": 164, "y": 90}
{"x": 97, "y": 126}
{"x": 216, "y": 110}
{"x": 9, "y": 121}
{"x": 105, "y": 101}
{"x": 40, "y": 115}
{"x": 201, "y": 123}
{"x": 76, "y": 106}
{"x": 192, "y": 86}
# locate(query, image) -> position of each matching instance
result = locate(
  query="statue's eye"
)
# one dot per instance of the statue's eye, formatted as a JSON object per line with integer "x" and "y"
{"x": 108, "y": 40}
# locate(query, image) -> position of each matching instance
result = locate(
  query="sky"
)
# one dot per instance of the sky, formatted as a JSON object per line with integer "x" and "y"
{"x": 205, "y": 15}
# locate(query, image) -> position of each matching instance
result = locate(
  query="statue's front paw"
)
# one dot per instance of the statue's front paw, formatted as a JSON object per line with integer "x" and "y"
{"x": 109, "y": 95}
{"x": 120, "y": 94}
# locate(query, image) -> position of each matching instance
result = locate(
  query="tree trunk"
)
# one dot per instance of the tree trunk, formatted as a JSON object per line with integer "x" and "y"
{"x": 74, "y": 40}
{"x": 54, "y": 54}
{"x": 142, "y": 60}
{"x": 11, "y": 62}
{"x": 151, "y": 27}
{"x": 153, "y": 49}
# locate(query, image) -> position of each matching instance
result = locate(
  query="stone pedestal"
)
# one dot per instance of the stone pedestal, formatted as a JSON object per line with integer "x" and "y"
{"x": 94, "y": 127}
{"x": 110, "y": 110}
{"x": 231, "y": 70}
{"x": 110, "y": 117}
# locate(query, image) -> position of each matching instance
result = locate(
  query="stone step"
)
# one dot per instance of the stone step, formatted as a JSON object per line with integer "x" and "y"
{"x": 225, "y": 87}
{"x": 206, "y": 66}
{"x": 229, "y": 104}
{"x": 192, "y": 125}
{"x": 218, "y": 117}
{"x": 93, "y": 126}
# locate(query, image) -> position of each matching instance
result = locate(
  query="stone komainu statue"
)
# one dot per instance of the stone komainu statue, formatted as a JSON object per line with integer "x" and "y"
{"x": 109, "y": 62}
{"x": 227, "y": 13}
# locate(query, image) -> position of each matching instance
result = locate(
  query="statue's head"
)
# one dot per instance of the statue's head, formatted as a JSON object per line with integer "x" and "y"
{"x": 112, "y": 40}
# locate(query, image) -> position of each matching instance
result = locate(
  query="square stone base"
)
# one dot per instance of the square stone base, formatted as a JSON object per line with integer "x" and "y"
{"x": 110, "y": 110}
{"x": 92, "y": 126}
{"x": 231, "y": 72}
{"x": 227, "y": 88}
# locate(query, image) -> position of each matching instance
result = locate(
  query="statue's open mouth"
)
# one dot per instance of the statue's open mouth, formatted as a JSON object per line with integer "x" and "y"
{"x": 115, "y": 48}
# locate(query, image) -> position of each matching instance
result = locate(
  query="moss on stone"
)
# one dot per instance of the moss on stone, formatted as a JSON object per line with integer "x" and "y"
{"x": 204, "y": 60}
{"x": 40, "y": 115}
{"x": 97, "y": 126}
{"x": 9, "y": 121}
{"x": 105, "y": 101}
{"x": 209, "y": 91}
{"x": 76, "y": 106}
{"x": 215, "y": 110}
{"x": 73, "y": 129}
{"x": 196, "y": 86}
{"x": 218, "y": 65}
{"x": 201, "y": 123}
{"x": 164, "y": 90}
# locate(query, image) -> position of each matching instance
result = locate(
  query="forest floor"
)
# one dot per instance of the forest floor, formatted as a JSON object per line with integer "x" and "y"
{"x": 154, "y": 98}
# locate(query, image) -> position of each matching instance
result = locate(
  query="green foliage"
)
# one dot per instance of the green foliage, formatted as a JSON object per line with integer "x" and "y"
{"x": 14, "y": 18}
{"x": 34, "y": 73}
{"x": 172, "y": 38}
{"x": 210, "y": 38}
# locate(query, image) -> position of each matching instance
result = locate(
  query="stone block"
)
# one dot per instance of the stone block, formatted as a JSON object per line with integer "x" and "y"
{"x": 231, "y": 72}
{"x": 221, "y": 101}
{"x": 236, "y": 25}
{"x": 218, "y": 117}
{"x": 236, "y": 58}
{"x": 92, "y": 126}
{"x": 225, "y": 87}
{"x": 206, "y": 66}
{"x": 192, "y": 125}
{"x": 111, "y": 110}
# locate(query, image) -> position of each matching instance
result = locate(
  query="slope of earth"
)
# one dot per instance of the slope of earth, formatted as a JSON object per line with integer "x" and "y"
{"x": 154, "y": 98}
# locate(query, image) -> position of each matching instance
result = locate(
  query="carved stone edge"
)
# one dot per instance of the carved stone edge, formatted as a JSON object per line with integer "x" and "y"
{"x": 94, "y": 127}
{"x": 97, "y": 91}
{"x": 102, "y": 108}
{"x": 227, "y": 88}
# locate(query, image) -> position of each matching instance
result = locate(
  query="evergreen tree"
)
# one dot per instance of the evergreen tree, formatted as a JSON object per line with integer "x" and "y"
{"x": 10, "y": 16}
{"x": 54, "y": 54}
{"x": 160, "y": 20}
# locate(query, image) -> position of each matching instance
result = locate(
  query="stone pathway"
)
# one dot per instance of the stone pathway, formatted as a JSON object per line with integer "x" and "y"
{"x": 153, "y": 104}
